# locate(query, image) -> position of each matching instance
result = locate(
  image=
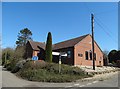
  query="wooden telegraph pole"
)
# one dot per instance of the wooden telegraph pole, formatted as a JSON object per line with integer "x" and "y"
{"x": 92, "y": 25}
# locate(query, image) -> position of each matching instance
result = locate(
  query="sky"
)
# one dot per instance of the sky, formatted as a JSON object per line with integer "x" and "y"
{"x": 119, "y": 27}
{"x": 65, "y": 20}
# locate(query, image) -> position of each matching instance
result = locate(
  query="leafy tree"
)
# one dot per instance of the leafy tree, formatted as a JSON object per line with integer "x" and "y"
{"x": 118, "y": 58}
{"x": 23, "y": 36}
{"x": 118, "y": 55}
{"x": 112, "y": 56}
{"x": 19, "y": 52}
{"x": 7, "y": 55}
{"x": 48, "y": 49}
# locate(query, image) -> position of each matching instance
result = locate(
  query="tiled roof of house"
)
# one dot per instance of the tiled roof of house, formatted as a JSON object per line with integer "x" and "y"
{"x": 63, "y": 44}
{"x": 68, "y": 43}
{"x": 35, "y": 45}
{"x": 60, "y": 45}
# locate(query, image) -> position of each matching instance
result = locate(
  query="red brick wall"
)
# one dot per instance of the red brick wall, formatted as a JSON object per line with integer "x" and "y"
{"x": 29, "y": 50}
{"x": 85, "y": 45}
{"x": 35, "y": 53}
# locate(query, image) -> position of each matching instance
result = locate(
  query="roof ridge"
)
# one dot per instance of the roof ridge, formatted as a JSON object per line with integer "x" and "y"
{"x": 35, "y": 44}
{"x": 69, "y": 43}
{"x": 72, "y": 39}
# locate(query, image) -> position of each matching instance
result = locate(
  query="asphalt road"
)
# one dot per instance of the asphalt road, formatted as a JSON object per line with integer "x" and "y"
{"x": 10, "y": 80}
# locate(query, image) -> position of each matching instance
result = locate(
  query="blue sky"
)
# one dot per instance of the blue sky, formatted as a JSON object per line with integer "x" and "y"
{"x": 64, "y": 20}
{"x": 119, "y": 27}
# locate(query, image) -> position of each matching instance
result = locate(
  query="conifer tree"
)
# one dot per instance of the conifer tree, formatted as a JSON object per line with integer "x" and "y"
{"x": 48, "y": 49}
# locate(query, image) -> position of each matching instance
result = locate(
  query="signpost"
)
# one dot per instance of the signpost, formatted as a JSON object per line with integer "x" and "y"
{"x": 35, "y": 58}
{"x": 60, "y": 54}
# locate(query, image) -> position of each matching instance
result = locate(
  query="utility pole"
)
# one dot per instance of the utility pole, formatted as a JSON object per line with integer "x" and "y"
{"x": 92, "y": 25}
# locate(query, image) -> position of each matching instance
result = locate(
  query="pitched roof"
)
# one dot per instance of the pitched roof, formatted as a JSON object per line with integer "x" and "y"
{"x": 35, "y": 45}
{"x": 64, "y": 44}
{"x": 68, "y": 43}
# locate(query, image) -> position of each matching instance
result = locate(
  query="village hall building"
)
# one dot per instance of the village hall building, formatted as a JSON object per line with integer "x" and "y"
{"x": 79, "y": 51}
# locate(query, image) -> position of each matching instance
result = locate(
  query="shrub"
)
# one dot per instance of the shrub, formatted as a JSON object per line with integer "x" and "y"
{"x": 35, "y": 64}
{"x": 18, "y": 66}
{"x": 11, "y": 65}
{"x": 40, "y": 64}
{"x": 7, "y": 54}
{"x": 118, "y": 63}
{"x": 52, "y": 67}
{"x": 49, "y": 72}
{"x": 14, "y": 64}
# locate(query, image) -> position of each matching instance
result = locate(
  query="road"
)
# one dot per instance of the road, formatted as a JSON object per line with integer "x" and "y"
{"x": 10, "y": 80}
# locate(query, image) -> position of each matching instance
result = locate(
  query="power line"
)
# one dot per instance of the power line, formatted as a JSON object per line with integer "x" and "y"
{"x": 88, "y": 9}
{"x": 98, "y": 13}
{"x": 105, "y": 31}
{"x": 98, "y": 23}
{"x": 104, "y": 25}
{"x": 105, "y": 12}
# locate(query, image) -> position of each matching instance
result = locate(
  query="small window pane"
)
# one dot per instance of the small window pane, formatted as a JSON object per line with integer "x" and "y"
{"x": 80, "y": 55}
{"x": 90, "y": 55}
{"x": 69, "y": 54}
{"x": 86, "y": 55}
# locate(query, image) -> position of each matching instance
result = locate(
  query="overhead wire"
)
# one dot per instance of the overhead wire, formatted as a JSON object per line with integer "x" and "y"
{"x": 89, "y": 10}
{"x": 98, "y": 13}
{"x": 105, "y": 12}
{"x": 98, "y": 23}
{"x": 107, "y": 33}
{"x": 104, "y": 25}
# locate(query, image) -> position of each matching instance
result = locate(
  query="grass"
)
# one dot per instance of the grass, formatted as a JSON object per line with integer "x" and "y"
{"x": 49, "y": 72}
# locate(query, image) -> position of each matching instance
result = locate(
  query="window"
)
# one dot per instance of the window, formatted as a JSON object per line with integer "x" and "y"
{"x": 86, "y": 55}
{"x": 69, "y": 54}
{"x": 80, "y": 55}
{"x": 90, "y": 55}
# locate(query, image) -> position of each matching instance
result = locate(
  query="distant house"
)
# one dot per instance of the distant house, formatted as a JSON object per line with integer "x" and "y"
{"x": 79, "y": 51}
{"x": 35, "y": 49}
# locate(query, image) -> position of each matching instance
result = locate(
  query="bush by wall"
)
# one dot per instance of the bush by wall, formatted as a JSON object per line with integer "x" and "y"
{"x": 49, "y": 72}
